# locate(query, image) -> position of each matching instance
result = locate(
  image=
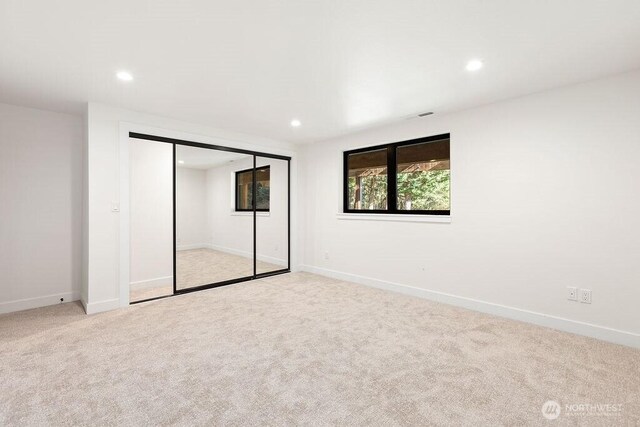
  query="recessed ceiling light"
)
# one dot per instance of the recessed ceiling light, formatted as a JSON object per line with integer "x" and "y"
{"x": 474, "y": 65}
{"x": 124, "y": 76}
{"x": 295, "y": 123}
{"x": 181, "y": 162}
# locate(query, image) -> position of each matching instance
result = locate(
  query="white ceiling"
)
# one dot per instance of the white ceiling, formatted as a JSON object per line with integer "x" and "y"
{"x": 337, "y": 65}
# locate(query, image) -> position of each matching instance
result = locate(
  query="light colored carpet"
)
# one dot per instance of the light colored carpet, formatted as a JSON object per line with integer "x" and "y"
{"x": 300, "y": 349}
{"x": 197, "y": 267}
{"x": 148, "y": 293}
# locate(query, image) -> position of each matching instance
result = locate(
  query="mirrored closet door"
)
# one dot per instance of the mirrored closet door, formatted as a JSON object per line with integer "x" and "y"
{"x": 272, "y": 215}
{"x": 214, "y": 242}
{"x": 204, "y": 216}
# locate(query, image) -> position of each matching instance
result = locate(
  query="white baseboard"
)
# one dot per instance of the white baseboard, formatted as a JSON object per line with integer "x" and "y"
{"x": 604, "y": 333}
{"x": 100, "y": 306}
{"x": 192, "y": 246}
{"x": 152, "y": 283}
{"x": 37, "y": 302}
{"x": 264, "y": 258}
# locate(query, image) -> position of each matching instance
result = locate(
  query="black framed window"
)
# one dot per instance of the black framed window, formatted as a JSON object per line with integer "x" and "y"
{"x": 244, "y": 189}
{"x": 407, "y": 177}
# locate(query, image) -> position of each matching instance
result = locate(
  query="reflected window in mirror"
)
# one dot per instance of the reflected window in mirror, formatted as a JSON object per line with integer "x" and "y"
{"x": 244, "y": 189}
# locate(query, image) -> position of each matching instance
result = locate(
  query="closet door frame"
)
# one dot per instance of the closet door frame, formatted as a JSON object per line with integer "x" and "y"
{"x": 175, "y": 142}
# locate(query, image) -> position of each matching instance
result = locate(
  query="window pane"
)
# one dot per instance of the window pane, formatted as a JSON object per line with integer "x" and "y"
{"x": 367, "y": 174}
{"x": 263, "y": 182}
{"x": 423, "y": 176}
{"x": 244, "y": 191}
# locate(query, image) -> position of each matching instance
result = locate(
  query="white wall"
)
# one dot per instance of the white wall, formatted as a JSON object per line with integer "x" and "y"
{"x": 191, "y": 208}
{"x": 151, "y": 217}
{"x": 41, "y": 199}
{"x": 544, "y": 196}
{"x": 106, "y": 258}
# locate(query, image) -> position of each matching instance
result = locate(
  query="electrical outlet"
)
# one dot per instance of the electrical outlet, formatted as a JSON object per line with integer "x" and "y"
{"x": 326, "y": 255}
{"x": 572, "y": 293}
{"x": 585, "y": 296}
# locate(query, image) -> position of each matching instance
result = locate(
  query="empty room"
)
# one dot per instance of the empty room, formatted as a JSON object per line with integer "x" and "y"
{"x": 323, "y": 212}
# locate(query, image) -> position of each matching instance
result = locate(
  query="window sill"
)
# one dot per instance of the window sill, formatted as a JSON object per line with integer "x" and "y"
{"x": 235, "y": 213}
{"x": 443, "y": 219}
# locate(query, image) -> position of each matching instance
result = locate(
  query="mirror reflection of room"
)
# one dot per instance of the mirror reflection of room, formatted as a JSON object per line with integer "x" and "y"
{"x": 272, "y": 220}
{"x": 214, "y": 243}
{"x": 214, "y": 216}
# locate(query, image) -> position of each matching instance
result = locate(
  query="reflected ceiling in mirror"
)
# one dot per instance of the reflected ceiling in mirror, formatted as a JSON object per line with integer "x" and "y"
{"x": 199, "y": 158}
